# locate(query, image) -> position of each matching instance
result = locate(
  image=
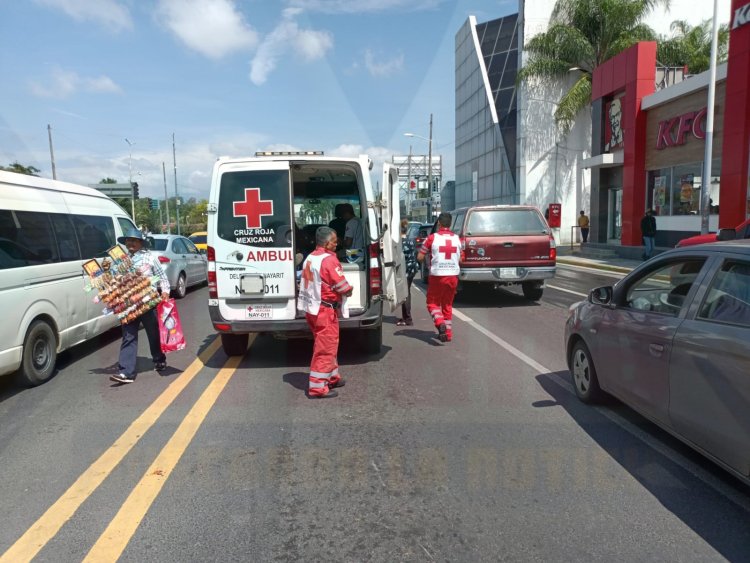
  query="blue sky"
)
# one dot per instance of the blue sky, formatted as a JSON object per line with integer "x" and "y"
{"x": 227, "y": 77}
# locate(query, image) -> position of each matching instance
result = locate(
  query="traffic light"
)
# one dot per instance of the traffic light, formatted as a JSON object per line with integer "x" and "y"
{"x": 135, "y": 189}
{"x": 154, "y": 204}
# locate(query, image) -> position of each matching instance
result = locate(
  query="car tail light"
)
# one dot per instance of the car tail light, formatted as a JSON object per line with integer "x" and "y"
{"x": 222, "y": 327}
{"x": 164, "y": 259}
{"x": 552, "y": 248}
{"x": 376, "y": 272}
{"x": 462, "y": 255}
{"x": 210, "y": 254}
{"x": 212, "y": 291}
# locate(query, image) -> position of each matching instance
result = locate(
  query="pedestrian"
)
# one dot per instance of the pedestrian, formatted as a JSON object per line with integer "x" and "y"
{"x": 583, "y": 222}
{"x": 410, "y": 259}
{"x": 648, "y": 232}
{"x": 445, "y": 250}
{"x": 354, "y": 234}
{"x": 322, "y": 288}
{"x": 150, "y": 268}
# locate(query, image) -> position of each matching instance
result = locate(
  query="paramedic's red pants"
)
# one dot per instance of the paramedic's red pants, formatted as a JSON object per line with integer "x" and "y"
{"x": 440, "y": 293}
{"x": 324, "y": 368}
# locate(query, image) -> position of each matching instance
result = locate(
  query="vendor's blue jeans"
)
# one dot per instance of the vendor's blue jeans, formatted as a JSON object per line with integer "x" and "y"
{"x": 649, "y": 250}
{"x": 129, "y": 346}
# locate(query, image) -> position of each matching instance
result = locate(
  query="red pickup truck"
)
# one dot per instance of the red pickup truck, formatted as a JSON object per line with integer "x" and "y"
{"x": 740, "y": 232}
{"x": 504, "y": 245}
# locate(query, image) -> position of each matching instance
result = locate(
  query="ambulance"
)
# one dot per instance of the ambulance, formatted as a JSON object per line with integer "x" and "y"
{"x": 262, "y": 216}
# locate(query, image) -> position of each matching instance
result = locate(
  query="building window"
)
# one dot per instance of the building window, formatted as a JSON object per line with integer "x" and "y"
{"x": 677, "y": 190}
{"x": 686, "y": 189}
{"x": 658, "y": 192}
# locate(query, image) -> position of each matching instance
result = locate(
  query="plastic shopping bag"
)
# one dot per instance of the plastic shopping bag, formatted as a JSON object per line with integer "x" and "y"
{"x": 170, "y": 329}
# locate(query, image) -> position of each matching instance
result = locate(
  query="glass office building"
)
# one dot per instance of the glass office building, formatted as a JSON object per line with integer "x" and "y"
{"x": 486, "y": 112}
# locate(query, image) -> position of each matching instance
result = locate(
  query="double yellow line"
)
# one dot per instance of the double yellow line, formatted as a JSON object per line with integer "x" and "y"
{"x": 115, "y": 538}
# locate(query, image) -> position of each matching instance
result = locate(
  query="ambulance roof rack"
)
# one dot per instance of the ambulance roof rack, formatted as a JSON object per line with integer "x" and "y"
{"x": 289, "y": 153}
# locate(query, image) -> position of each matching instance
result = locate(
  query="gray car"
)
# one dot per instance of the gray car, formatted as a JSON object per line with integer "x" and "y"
{"x": 184, "y": 264}
{"x": 671, "y": 340}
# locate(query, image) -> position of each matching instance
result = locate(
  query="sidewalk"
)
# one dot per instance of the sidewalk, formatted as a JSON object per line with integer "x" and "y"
{"x": 573, "y": 257}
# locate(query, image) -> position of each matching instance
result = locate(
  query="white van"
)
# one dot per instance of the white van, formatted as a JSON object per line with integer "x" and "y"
{"x": 48, "y": 229}
{"x": 262, "y": 216}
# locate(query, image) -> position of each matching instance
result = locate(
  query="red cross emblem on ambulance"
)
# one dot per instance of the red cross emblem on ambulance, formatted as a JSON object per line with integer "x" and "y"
{"x": 253, "y": 208}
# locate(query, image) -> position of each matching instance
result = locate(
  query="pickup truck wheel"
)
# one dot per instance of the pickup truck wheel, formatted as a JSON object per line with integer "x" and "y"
{"x": 39, "y": 354}
{"x": 234, "y": 344}
{"x": 532, "y": 291}
{"x": 373, "y": 340}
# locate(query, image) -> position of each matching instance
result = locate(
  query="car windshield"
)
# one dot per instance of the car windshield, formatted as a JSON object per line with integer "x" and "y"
{"x": 505, "y": 222}
{"x": 159, "y": 244}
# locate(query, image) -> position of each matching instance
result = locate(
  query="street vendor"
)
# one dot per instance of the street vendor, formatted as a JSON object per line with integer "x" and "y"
{"x": 148, "y": 265}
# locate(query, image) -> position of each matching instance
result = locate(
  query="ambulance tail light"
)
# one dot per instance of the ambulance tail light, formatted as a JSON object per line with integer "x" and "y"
{"x": 552, "y": 248}
{"x": 164, "y": 260}
{"x": 376, "y": 272}
{"x": 462, "y": 255}
{"x": 211, "y": 257}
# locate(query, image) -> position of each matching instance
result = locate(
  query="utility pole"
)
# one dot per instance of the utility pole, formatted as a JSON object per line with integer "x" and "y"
{"x": 177, "y": 198}
{"x": 429, "y": 174}
{"x": 51, "y": 152}
{"x": 408, "y": 185}
{"x": 707, "y": 155}
{"x": 166, "y": 196}
{"x": 130, "y": 178}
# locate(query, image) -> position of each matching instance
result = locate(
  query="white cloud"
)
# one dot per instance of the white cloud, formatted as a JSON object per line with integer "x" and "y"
{"x": 64, "y": 83}
{"x": 362, "y": 6}
{"x": 693, "y": 12}
{"x": 309, "y": 44}
{"x": 109, "y": 13}
{"x": 383, "y": 68}
{"x": 213, "y": 28}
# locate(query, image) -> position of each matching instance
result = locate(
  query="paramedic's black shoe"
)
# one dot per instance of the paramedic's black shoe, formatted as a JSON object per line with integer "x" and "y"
{"x": 442, "y": 333}
{"x": 329, "y": 395}
{"x": 160, "y": 366}
{"x": 340, "y": 383}
{"x": 122, "y": 378}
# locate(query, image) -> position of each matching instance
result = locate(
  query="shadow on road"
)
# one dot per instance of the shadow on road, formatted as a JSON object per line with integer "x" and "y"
{"x": 715, "y": 518}
{"x": 428, "y": 336}
{"x": 296, "y": 379}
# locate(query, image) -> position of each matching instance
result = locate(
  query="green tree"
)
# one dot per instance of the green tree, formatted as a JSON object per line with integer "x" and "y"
{"x": 582, "y": 34}
{"x": 21, "y": 169}
{"x": 691, "y": 46}
{"x": 108, "y": 180}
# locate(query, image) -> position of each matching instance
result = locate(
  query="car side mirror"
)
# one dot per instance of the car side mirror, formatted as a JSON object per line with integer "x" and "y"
{"x": 726, "y": 234}
{"x": 601, "y": 295}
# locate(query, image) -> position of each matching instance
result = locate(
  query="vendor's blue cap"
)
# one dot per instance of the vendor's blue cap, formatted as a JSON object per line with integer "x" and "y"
{"x": 132, "y": 233}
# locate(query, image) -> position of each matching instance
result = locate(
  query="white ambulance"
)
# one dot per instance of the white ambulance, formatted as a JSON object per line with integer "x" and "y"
{"x": 262, "y": 216}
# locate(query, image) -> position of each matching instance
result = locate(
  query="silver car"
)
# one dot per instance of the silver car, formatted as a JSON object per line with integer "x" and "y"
{"x": 184, "y": 264}
{"x": 671, "y": 341}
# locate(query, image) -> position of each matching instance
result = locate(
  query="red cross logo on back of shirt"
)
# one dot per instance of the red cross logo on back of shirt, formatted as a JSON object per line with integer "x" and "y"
{"x": 448, "y": 249}
{"x": 307, "y": 274}
{"x": 253, "y": 208}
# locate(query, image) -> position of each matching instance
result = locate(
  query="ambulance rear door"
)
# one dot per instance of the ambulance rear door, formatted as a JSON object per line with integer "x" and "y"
{"x": 253, "y": 240}
{"x": 394, "y": 265}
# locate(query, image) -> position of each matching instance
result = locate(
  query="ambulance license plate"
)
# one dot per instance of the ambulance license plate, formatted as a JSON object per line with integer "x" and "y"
{"x": 259, "y": 312}
{"x": 251, "y": 284}
{"x": 504, "y": 273}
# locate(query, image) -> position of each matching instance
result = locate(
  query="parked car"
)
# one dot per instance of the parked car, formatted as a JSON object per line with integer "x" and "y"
{"x": 505, "y": 245}
{"x": 742, "y": 231}
{"x": 671, "y": 341}
{"x": 184, "y": 265}
{"x": 199, "y": 240}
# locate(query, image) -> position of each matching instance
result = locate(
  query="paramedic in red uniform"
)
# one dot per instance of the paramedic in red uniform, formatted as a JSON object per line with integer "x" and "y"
{"x": 445, "y": 251}
{"x": 322, "y": 288}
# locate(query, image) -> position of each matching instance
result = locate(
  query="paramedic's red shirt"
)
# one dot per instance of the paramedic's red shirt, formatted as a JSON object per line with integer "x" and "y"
{"x": 332, "y": 275}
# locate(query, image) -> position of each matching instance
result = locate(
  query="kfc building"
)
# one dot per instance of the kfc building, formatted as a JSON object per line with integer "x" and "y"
{"x": 648, "y": 144}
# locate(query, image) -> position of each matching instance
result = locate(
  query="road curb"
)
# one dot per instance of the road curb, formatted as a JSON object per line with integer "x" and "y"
{"x": 594, "y": 265}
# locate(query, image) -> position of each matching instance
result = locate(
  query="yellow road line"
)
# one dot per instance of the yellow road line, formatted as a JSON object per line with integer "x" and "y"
{"x": 47, "y": 526}
{"x": 115, "y": 538}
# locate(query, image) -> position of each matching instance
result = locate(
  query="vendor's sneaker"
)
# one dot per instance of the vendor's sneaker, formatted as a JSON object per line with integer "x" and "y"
{"x": 160, "y": 366}
{"x": 122, "y": 378}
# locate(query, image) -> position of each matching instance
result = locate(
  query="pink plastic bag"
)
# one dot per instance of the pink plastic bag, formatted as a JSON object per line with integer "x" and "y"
{"x": 170, "y": 328}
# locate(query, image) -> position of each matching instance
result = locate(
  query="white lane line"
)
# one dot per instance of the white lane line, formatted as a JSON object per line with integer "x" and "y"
{"x": 699, "y": 473}
{"x": 556, "y": 288}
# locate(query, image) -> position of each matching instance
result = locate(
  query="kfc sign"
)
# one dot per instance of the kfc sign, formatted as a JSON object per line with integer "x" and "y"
{"x": 741, "y": 16}
{"x": 674, "y": 132}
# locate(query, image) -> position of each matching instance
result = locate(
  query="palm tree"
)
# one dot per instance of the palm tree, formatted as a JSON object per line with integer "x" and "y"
{"x": 21, "y": 169}
{"x": 582, "y": 35}
{"x": 691, "y": 46}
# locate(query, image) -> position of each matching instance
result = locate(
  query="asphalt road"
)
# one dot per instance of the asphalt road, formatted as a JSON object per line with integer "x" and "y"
{"x": 476, "y": 450}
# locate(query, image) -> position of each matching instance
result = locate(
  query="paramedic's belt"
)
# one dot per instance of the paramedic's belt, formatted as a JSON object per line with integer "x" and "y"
{"x": 334, "y": 305}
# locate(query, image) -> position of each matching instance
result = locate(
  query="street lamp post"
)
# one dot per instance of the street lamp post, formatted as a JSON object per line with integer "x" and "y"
{"x": 130, "y": 177}
{"x": 429, "y": 166}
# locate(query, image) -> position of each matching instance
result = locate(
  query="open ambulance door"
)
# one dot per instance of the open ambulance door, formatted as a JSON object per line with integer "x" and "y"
{"x": 394, "y": 266}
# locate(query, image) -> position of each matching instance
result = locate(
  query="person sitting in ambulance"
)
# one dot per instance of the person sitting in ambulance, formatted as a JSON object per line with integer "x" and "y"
{"x": 354, "y": 234}
{"x": 338, "y": 224}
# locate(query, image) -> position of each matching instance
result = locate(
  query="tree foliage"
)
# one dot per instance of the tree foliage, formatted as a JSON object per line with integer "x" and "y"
{"x": 582, "y": 35}
{"x": 691, "y": 46}
{"x": 107, "y": 180}
{"x": 21, "y": 169}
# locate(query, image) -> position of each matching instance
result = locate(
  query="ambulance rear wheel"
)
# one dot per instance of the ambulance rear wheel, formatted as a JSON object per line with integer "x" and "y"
{"x": 234, "y": 344}
{"x": 373, "y": 340}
